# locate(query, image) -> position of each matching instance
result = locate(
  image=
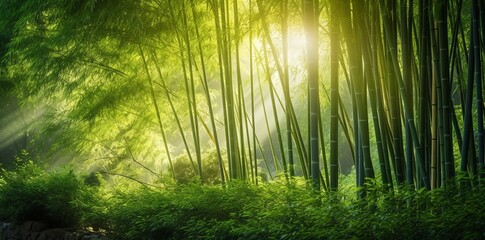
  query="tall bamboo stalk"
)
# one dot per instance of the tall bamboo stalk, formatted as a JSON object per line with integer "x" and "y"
{"x": 478, "y": 78}
{"x": 376, "y": 82}
{"x": 406, "y": 48}
{"x": 241, "y": 105}
{"x": 372, "y": 75}
{"x": 408, "y": 116}
{"x": 174, "y": 112}
{"x": 286, "y": 85}
{"x": 251, "y": 76}
{"x": 310, "y": 22}
{"x": 224, "y": 47}
{"x": 361, "y": 90}
{"x": 445, "y": 90}
{"x": 214, "y": 4}
{"x": 190, "y": 88}
{"x": 157, "y": 111}
{"x": 334, "y": 93}
{"x": 205, "y": 86}
{"x": 388, "y": 9}
{"x": 234, "y": 154}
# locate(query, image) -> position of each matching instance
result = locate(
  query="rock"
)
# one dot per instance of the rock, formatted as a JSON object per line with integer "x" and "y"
{"x": 35, "y": 226}
{"x": 3, "y": 229}
{"x": 71, "y": 236}
{"x": 92, "y": 236}
{"x": 31, "y": 236}
{"x": 52, "y": 234}
{"x": 13, "y": 232}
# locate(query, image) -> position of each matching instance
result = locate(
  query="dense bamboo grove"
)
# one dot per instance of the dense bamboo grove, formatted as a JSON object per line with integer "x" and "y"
{"x": 249, "y": 89}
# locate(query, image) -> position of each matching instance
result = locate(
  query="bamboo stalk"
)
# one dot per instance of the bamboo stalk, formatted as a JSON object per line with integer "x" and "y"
{"x": 310, "y": 22}
{"x": 205, "y": 86}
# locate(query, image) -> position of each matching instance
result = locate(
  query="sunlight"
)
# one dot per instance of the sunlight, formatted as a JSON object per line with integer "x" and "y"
{"x": 295, "y": 53}
{"x": 265, "y": 121}
{"x": 296, "y": 49}
{"x": 296, "y": 56}
{"x": 16, "y": 126}
{"x": 12, "y": 130}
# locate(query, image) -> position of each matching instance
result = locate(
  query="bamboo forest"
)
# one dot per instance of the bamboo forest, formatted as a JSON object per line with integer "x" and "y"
{"x": 242, "y": 119}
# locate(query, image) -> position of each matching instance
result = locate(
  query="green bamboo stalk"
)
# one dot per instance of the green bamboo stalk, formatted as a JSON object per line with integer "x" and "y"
{"x": 225, "y": 68}
{"x": 380, "y": 67}
{"x": 296, "y": 133}
{"x": 286, "y": 86}
{"x": 478, "y": 78}
{"x": 157, "y": 111}
{"x": 174, "y": 112}
{"x": 234, "y": 154}
{"x": 266, "y": 118}
{"x": 424, "y": 73}
{"x": 324, "y": 178}
{"x": 445, "y": 91}
{"x": 205, "y": 86}
{"x": 468, "y": 124}
{"x": 349, "y": 40}
{"x": 481, "y": 14}
{"x": 345, "y": 119}
{"x": 435, "y": 179}
{"x": 408, "y": 116}
{"x": 272, "y": 92}
{"x": 334, "y": 93}
{"x": 361, "y": 93}
{"x": 310, "y": 22}
{"x": 439, "y": 97}
{"x": 456, "y": 63}
{"x": 251, "y": 72}
{"x": 373, "y": 75}
{"x": 241, "y": 105}
{"x": 395, "y": 109}
{"x": 406, "y": 48}
{"x": 276, "y": 120}
{"x": 284, "y": 78}
{"x": 364, "y": 168}
{"x": 190, "y": 89}
{"x": 265, "y": 160}
{"x": 215, "y": 10}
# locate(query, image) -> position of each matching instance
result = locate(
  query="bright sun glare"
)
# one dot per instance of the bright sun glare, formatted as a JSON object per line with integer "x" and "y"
{"x": 296, "y": 53}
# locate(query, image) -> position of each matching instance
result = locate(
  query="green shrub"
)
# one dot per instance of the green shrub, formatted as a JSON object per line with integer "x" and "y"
{"x": 169, "y": 213}
{"x": 281, "y": 211}
{"x": 185, "y": 173}
{"x": 275, "y": 210}
{"x": 58, "y": 198}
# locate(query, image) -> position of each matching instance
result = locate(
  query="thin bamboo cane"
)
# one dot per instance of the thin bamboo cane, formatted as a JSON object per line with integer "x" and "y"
{"x": 205, "y": 86}
{"x": 157, "y": 111}
{"x": 334, "y": 94}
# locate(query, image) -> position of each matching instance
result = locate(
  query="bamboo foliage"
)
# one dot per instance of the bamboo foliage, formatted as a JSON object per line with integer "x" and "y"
{"x": 222, "y": 74}
{"x": 157, "y": 110}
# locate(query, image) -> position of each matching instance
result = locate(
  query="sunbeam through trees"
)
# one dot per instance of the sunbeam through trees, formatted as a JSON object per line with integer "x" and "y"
{"x": 386, "y": 94}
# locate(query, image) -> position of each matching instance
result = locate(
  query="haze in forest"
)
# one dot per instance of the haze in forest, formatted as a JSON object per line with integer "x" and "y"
{"x": 254, "y": 90}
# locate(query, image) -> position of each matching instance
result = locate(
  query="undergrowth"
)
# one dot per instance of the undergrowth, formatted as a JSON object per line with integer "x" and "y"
{"x": 275, "y": 210}
{"x": 59, "y": 198}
